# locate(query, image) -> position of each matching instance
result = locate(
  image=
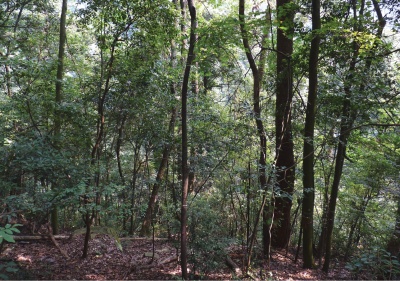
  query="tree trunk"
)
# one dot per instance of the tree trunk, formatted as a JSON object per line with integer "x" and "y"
{"x": 327, "y": 176}
{"x": 100, "y": 134}
{"x": 284, "y": 143}
{"x": 185, "y": 171}
{"x": 355, "y": 224}
{"x": 88, "y": 222}
{"x": 308, "y": 151}
{"x": 335, "y": 189}
{"x": 58, "y": 99}
{"x": 145, "y": 229}
{"x": 393, "y": 245}
{"x": 118, "y": 148}
{"x": 146, "y": 225}
{"x": 257, "y": 72}
{"x": 136, "y": 168}
{"x": 348, "y": 116}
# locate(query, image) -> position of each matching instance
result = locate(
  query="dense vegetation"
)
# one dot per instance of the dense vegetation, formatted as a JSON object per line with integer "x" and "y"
{"x": 267, "y": 125}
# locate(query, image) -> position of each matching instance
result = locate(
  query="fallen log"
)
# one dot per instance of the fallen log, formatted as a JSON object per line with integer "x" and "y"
{"x": 135, "y": 268}
{"x": 141, "y": 239}
{"x": 38, "y": 237}
{"x": 60, "y": 237}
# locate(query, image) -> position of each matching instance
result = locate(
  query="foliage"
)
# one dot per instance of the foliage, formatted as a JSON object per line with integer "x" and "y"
{"x": 123, "y": 71}
{"x": 6, "y": 233}
{"x": 10, "y": 267}
{"x": 377, "y": 262}
{"x": 207, "y": 239}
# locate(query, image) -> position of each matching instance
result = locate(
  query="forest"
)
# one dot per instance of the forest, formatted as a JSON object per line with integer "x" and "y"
{"x": 200, "y": 139}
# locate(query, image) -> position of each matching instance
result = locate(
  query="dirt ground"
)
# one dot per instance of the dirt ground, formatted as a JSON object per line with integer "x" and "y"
{"x": 41, "y": 260}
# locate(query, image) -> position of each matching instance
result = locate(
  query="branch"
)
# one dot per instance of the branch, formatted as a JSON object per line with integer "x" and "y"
{"x": 209, "y": 175}
{"x": 372, "y": 125}
{"x": 380, "y": 55}
{"x": 55, "y": 242}
{"x": 11, "y": 213}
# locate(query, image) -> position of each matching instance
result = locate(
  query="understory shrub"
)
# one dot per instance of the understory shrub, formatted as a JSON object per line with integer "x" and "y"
{"x": 378, "y": 262}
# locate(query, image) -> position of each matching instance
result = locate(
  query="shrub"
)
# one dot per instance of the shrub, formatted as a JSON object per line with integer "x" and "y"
{"x": 380, "y": 263}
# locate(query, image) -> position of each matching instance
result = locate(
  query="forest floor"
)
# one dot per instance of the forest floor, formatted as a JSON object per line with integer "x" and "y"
{"x": 41, "y": 260}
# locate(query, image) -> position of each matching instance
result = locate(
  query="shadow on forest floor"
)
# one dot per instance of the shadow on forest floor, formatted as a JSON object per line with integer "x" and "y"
{"x": 41, "y": 260}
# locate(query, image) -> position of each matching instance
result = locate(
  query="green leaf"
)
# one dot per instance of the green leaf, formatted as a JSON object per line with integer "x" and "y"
{"x": 16, "y": 230}
{"x": 8, "y": 238}
{"x": 11, "y": 269}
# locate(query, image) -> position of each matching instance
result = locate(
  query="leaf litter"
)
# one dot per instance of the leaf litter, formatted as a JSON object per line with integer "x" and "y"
{"x": 41, "y": 260}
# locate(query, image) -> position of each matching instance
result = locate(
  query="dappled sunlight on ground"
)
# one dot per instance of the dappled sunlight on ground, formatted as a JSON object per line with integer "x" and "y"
{"x": 43, "y": 261}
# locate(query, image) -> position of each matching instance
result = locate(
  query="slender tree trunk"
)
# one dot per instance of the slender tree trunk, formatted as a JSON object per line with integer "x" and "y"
{"x": 327, "y": 176}
{"x": 248, "y": 203}
{"x": 100, "y": 134}
{"x": 340, "y": 156}
{"x": 125, "y": 214}
{"x": 88, "y": 218}
{"x": 136, "y": 168}
{"x": 393, "y": 245}
{"x": 257, "y": 72}
{"x": 348, "y": 116}
{"x": 58, "y": 99}
{"x": 345, "y": 125}
{"x": 283, "y": 129}
{"x": 360, "y": 214}
{"x": 185, "y": 171}
{"x": 146, "y": 225}
{"x": 308, "y": 151}
{"x": 118, "y": 148}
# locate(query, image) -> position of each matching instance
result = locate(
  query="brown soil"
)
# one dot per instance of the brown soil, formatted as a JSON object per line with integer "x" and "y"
{"x": 41, "y": 260}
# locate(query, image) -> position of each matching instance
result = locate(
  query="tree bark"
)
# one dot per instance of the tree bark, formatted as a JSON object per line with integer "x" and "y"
{"x": 100, "y": 134}
{"x": 58, "y": 99}
{"x": 184, "y": 164}
{"x": 136, "y": 167}
{"x": 146, "y": 225}
{"x": 308, "y": 150}
{"x": 345, "y": 125}
{"x": 257, "y": 72}
{"x": 283, "y": 129}
{"x": 38, "y": 237}
{"x": 348, "y": 117}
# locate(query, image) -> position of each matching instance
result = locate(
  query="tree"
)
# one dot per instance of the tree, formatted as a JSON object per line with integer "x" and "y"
{"x": 100, "y": 141}
{"x": 285, "y": 165}
{"x": 185, "y": 170}
{"x": 308, "y": 150}
{"x": 145, "y": 229}
{"x": 257, "y": 73}
{"x": 349, "y": 113}
{"x": 58, "y": 99}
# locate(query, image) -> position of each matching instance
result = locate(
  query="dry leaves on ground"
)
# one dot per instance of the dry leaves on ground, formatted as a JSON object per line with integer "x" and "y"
{"x": 43, "y": 261}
